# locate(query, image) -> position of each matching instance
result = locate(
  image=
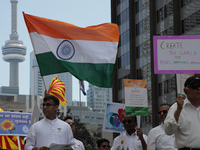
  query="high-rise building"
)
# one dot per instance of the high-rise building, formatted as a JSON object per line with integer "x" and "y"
{"x": 13, "y": 52}
{"x": 98, "y": 97}
{"x": 139, "y": 21}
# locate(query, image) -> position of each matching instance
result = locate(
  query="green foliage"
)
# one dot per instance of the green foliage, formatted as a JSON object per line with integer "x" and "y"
{"x": 85, "y": 136}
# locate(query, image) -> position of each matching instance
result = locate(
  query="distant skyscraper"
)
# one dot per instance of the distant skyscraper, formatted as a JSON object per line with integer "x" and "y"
{"x": 97, "y": 97}
{"x": 13, "y": 52}
{"x": 36, "y": 83}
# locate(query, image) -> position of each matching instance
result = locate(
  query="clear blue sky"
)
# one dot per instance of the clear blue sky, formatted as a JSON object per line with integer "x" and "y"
{"x": 82, "y": 13}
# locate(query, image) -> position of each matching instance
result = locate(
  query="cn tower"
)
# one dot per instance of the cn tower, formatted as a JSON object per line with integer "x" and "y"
{"x": 14, "y": 51}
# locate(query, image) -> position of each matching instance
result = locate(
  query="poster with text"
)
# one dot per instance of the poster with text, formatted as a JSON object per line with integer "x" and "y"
{"x": 114, "y": 114}
{"x": 176, "y": 54}
{"x": 180, "y": 80}
{"x": 12, "y": 123}
{"x": 136, "y": 102}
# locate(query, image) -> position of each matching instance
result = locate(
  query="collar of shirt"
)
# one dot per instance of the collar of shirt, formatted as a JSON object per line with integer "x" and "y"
{"x": 133, "y": 134}
{"x": 51, "y": 121}
{"x": 187, "y": 102}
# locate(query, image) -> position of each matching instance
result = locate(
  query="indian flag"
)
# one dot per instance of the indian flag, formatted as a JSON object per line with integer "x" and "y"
{"x": 87, "y": 53}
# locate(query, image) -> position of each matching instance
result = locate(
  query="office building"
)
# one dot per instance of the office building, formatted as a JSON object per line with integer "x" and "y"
{"x": 98, "y": 97}
{"x": 139, "y": 21}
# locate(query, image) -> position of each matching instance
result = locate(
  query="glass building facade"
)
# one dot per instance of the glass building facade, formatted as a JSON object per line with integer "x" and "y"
{"x": 139, "y": 21}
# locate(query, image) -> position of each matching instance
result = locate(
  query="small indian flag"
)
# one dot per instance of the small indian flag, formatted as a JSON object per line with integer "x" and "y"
{"x": 87, "y": 53}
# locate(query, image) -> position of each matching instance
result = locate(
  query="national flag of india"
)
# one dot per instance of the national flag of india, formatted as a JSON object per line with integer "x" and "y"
{"x": 87, "y": 53}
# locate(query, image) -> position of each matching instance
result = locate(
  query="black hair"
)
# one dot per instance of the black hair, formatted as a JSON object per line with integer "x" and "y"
{"x": 100, "y": 141}
{"x": 68, "y": 117}
{"x": 49, "y": 97}
{"x": 133, "y": 117}
{"x": 165, "y": 104}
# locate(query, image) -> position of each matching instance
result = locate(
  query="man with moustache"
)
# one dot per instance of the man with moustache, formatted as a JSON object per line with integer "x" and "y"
{"x": 157, "y": 138}
{"x": 50, "y": 129}
{"x": 183, "y": 118}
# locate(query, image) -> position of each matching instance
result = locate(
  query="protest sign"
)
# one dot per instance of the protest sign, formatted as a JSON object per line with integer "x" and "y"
{"x": 136, "y": 102}
{"x": 176, "y": 54}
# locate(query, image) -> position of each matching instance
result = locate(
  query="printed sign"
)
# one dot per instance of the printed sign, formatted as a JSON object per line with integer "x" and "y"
{"x": 113, "y": 118}
{"x": 176, "y": 54}
{"x": 136, "y": 102}
{"x": 12, "y": 123}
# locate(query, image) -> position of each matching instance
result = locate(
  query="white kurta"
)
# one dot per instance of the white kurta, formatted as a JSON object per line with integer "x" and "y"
{"x": 159, "y": 140}
{"x": 45, "y": 132}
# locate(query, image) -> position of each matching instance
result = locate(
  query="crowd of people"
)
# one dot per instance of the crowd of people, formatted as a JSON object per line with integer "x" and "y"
{"x": 179, "y": 128}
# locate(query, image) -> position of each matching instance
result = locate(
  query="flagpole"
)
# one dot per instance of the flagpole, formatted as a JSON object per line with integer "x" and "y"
{"x": 44, "y": 84}
{"x": 18, "y": 142}
{"x": 80, "y": 102}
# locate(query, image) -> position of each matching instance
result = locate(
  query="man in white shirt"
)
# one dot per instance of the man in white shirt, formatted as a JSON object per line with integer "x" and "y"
{"x": 183, "y": 117}
{"x": 50, "y": 129}
{"x": 132, "y": 139}
{"x": 157, "y": 138}
{"x": 78, "y": 144}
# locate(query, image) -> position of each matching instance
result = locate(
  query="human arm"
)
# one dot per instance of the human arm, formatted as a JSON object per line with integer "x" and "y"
{"x": 180, "y": 102}
{"x": 170, "y": 123}
{"x": 115, "y": 145}
{"x": 141, "y": 137}
{"x": 151, "y": 140}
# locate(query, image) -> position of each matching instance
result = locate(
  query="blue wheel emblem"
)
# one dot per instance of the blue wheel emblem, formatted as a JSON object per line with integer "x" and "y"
{"x": 65, "y": 50}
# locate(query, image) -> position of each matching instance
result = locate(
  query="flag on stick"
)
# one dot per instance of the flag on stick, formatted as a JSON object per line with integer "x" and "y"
{"x": 87, "y": 53}
{"x": 82, "y": 87}
{"x": 10, "y": 142}
{"x": 57, "y": 88}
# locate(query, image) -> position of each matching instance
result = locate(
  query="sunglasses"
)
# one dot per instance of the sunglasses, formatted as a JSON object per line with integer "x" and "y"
{"x": 71, "y": 123}
{"x": 194, "y": 86}
{"x": 127, "y": 121}
{"x": 104, "y": 146}
{"x": 48, "y": 104}
{"x": 164, "y": 112}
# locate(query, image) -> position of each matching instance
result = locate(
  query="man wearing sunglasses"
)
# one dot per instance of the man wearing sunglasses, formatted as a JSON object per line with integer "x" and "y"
{"x": 133, "y": 138}
{"x": 183, "y": 118}
{"x": 78, "y": 145}
{"x": 103, "y": 144}
{"x": 50, "y": 129}
{"x": 157, "y": 138}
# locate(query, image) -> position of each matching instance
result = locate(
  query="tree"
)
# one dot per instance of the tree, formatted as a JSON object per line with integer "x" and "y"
{"x": 85, "y": 136}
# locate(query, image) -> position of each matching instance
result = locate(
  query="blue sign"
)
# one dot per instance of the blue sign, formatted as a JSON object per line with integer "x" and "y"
{"x": 12, "y": 123}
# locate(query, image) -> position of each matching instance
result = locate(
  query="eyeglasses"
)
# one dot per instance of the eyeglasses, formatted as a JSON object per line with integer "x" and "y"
{"x": 71, "y": 123}
{"x": 104, "y": 146}
{"x": 127, "y": 121}
{"x": 194, "y": 86}
{"x": 47, "y": 104}
{"x": 164, "y": 112}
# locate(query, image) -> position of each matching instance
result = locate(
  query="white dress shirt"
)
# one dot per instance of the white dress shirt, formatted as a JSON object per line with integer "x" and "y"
{"x": 124, "y": 140}
{"x": 78, "y": 145}
{"x": 45, "y": 132}
{"x": 159, "y": 140}
{"x": 187, "y": 130}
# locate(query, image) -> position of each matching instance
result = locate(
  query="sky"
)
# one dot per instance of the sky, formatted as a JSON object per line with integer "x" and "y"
{"x": 81, "y": 13}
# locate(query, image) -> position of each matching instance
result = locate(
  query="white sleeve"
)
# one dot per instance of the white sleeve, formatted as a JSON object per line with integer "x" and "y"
{"x": 151, "y": 141}
{"x": 170, "y": 123}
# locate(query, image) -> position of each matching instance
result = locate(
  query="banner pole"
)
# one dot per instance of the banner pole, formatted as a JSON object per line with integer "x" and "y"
{"x": 18, "y": 142}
